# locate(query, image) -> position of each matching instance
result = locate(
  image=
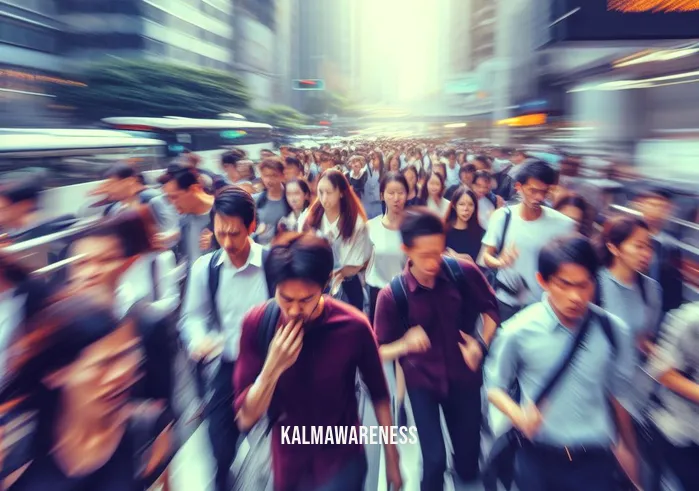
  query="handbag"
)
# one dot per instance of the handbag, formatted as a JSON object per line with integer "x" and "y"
{"x": 499, "y": 465}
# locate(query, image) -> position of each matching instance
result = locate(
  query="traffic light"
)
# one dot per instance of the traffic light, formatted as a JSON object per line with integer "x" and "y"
{"x": 309, "y": 84}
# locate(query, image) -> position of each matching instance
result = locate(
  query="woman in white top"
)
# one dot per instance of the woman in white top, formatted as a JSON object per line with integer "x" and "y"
{"x": 432, "y": 194}
{"x": 298, "y": 195}
{"x": 387, "y": 259}
{"x": 338, "y": 215}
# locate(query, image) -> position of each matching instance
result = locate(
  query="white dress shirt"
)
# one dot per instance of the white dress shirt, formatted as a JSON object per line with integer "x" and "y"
{"x": 354, "y": 251}
{"x": 239, "y": 289}
{"x": 137, "y": 284}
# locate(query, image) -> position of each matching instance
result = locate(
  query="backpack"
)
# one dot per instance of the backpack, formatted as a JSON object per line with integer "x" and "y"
{"x": 456, "y": 275}
{"x": 215, "y": 276}
{"x": 491, "y": 274}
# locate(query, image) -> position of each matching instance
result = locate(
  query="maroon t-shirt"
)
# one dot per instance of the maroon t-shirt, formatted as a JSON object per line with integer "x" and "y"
{"x": 318, "y": 390}
{"x": 442, "y": 313}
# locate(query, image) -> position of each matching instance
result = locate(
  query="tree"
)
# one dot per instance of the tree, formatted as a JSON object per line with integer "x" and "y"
{"x": 284, "y": 117}
{"x": 147, "y": 88}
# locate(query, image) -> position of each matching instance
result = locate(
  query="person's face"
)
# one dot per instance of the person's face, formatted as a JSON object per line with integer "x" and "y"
{"x": 329, "y": 195}
{"x": 480, "y": 165}
{"x": 231, "y": 233}
{"x": 119, "y": 188}
{"x": 99, "y": 382}
{"x": 271, "y": 179}
{"x": 465, "y": 208}
{"x": 461, "y": 158}
{"x": 534, "y": 193}
{"x": 636, "y": 252}
{"x": 394, "y": 165}
{"x": 298, "y": 299}
{"x": 10, "y": 213}
{"x": 291, "y": 172}
{"x": 655, "y": 211}
{"x": 326, "y": 165}
{"x": 356, "y": 166}
{"x": 232, "y": 172}
{"x": 100, "y": 262}
{"x": 439, "y": 169}
{"x": 295, "y": 196}
{"x": 481, "y": 187}
{"x": 182, "y": 199}
{"x": 452, "y": 160}
{"x": 570, "y": 291}
{"x": 411, "y": 177}
{"x": 518, "y": 158}
{"x": 395, "y": 196}
{"x": 426, "y": 254}
{"x": 574, "y": 213}
{"x": 466, "y": 178}
{"x": 434, "y": 187}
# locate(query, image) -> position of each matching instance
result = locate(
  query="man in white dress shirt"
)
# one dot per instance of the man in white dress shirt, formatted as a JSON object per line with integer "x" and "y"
{"x": 222, "y": 286}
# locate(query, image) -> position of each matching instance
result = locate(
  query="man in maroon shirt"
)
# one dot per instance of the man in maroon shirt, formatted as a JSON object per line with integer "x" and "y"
{"x": 307, "y": 377}
{"x": 442, "y": 352}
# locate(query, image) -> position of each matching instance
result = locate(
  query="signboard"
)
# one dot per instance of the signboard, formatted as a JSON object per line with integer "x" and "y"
{"x": 624, "y": 20}
{"x": 309, "y": 84}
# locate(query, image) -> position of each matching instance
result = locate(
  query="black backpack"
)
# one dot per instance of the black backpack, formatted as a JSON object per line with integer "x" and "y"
{"x": 456, "y": 275}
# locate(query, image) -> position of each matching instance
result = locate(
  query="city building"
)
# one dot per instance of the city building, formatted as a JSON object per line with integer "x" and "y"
{"x": 195, "y": 32}
{"x": 30, "y": 62}
{"x": 254, "y": 47}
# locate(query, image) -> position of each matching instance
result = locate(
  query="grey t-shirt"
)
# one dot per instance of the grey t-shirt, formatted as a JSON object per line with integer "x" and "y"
{"x": 269, "y": 214}
{"x": 528, "y": 238}
{"x": 191, "y": 228}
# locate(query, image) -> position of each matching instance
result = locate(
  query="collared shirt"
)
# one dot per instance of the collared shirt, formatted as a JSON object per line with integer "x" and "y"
{"x": 452, "y": 175}
{"x": 678, "y": 349}
{"x": 238, "y": 290}
{"x": 441, "y": 312}
{"x": 11, "y": 314}
{"x": 354, "y": 251}
{"x": 317, "y": 390}
{"x": 531, "y": 346}
{"x": 137, "y": 284}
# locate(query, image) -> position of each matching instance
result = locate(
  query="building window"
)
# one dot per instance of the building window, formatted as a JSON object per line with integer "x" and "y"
{"x": 28, "y": 37}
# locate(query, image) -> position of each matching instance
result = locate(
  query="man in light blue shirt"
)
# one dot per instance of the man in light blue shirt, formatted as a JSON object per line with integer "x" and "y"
{"x": 569, "y": 436}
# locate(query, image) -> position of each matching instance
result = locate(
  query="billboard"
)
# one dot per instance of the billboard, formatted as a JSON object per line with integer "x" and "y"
{"x": 624, "y": 20}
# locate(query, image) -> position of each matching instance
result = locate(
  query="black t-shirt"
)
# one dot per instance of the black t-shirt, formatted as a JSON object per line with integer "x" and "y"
{"x": 466, "y": 241}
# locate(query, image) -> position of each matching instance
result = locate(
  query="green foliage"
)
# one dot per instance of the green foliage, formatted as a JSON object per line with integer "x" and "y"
{"x": 326, "y": 102}
{"x": 147, "y": 88}
{"x": 282, "y": 116}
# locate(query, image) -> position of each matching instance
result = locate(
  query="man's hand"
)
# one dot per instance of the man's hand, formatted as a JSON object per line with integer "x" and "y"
{"x": 205, "y": 240}
{"x": 508, "y": 257}
{"x": 285, "y": 347}
{"x": 416, "y": 340}
{"x": 208, "y": 348}
{"x": 393, "y": 475}
{"x": 471, "y": 351}
{"x": 528, "y": 421}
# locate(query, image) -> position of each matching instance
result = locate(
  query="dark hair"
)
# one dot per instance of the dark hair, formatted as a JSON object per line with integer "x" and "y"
{"x": 580, "y": 203}
{"x": 411, "y": 168}
{"x": 418, "y": 221}
{"x": 234, "y": 201}
{"x": 656, "y": 193}
{"x": 390, "y": 177}
{"x": 350, "y": 206}
{"x": 450, "y": 153}
{"x": 305, "y": 189}
{"x": 53, "y": 340}
{"x": 273, "y": 164}
{"x": 184, "y": 176}
{"x": 573, "y": 249}
{"x": 133, "y": 228}
{"x": 294, "y": 162}
{"x": 300, "y": 256}
{"x": 12, "y": 270}
{"x": 468, "y": 169}
{"x": 482, "y": 174}
{"x": 22, "y": 190}
{"x": 473, "y": 223}
{"x": 231, "y": 157}
{"x": 424, "y": 193}
{"x": 483, "y": 159}
{"x": 616, "y": 231}
{"x": 537, "y": 169}
{"x": 379, "y": 155}
{"x": 121, "y": 171}
{"x": 441, "y": 166}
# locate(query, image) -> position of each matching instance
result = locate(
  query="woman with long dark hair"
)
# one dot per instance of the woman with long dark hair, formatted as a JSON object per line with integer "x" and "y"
{"x": 464, "y": 231}
{"x": 412, "y": 178}
{"x": 298, "y": 195}
{"x": 432, "y": 194}
{"x": 338, "y": 214}
{"x": 387, "y": 259}
{"x": 72, "y": 373}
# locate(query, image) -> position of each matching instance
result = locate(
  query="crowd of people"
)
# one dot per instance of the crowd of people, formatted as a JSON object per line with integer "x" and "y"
{"x": 473, "y": 293}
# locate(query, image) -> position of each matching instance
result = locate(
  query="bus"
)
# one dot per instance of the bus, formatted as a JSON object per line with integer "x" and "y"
{"x": 70, "y": 167}
{"x": 208, "y": 138}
